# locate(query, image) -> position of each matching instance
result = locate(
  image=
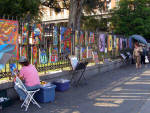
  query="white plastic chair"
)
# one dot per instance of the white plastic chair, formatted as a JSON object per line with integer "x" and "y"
{"x": 29, "y": 94}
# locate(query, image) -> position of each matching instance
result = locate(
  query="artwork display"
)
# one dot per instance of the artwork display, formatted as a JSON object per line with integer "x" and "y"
{"x": 109, "y": 42}
{"x": 81, "y": 40}
{"x": 77, "y": 52}
{"x": 43, "y": 56}
{"x": 53, "y": 55}
{"x": 9, "y": 35}
{"x": 13, "y": 69}
{"x": 25, "y": 33}
{"x": 83, "y": 53}
{"x": 36, "y": 33}
{"x": 55, "y": 37}
{"x": 95, "y": 57}
{"x": 86, "y": 38}
{"x": 34, "y": 55}
{"x": 91, "y": 37}
{"x": 76, "y": 38}
{"x": 65, "y": 40}
{"x": 121, "y": 43}
{"x": 101, "y": 42}
{"x": 89, "y": 52}
{"x": 24, "y": 51}
{"x": 115, "y": 41}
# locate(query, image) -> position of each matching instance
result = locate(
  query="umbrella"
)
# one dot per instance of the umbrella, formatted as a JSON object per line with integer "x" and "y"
{"x": 6, "y": 51}
{"x": 139, "y": 38}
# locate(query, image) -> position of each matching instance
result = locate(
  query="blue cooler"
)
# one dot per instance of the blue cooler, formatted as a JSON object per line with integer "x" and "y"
{"x": 46, "y": 94}
{"x": 62, "y": 84}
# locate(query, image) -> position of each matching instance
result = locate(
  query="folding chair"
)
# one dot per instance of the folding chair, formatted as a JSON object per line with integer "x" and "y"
{"x": 29, "y": 94}
{"x": 124, "y": 57}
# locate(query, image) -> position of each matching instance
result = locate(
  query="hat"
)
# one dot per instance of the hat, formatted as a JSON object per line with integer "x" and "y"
{"x": 23, "y": 59}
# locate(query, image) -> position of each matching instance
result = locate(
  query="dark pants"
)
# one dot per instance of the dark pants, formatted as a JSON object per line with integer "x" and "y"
{"x": 142, "y": 59}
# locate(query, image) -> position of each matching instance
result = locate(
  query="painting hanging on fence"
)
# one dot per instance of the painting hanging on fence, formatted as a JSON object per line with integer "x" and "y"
{"x": 53, "y": 55}
{"x": 36, "y": 33}
{"x": 9, "y": 34}
{"x": 65, "y": 40}
{"x": 34, "y": 55}
{"x": 109, "y": 42}
{"x": 115, "y": 41}
{"x": 25, "y": 33}
{"x": 43, "y": 56}
{"x": 24, "y": 51}
{"x": 117, "y": 44}
{"x": 91, "y": 37}
{"x": 121, "y": 43}
{"x": 101, "y": 42}
{"x": 95, "y": 57}
{"x": 130, "y": 43}
{"x": 77, "y": 52}
{"x": 55, "y": 36}
{"x": 76, "y": 38}
{"x": 83, "y": 53}
{"x": 89, "y": 52}
{"x": 81, "y": 41}
{"x": 86, "y": 38}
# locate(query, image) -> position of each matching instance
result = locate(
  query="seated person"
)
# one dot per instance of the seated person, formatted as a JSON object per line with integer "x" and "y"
{"x": 29, "y": 74}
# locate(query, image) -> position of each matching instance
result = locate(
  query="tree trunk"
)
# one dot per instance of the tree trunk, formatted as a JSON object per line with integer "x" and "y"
{"x": 75, "y": 12}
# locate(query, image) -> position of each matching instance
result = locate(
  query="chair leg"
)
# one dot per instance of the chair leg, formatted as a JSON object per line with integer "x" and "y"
{"x": 81, "y": 76}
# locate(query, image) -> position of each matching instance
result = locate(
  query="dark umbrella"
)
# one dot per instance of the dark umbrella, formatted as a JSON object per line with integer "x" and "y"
{"x": 139, "y": 38}
{"x": 6, "y": 51}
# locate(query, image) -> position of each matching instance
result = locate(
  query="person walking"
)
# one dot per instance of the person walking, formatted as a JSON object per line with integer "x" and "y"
{"x": 137, "y": 55}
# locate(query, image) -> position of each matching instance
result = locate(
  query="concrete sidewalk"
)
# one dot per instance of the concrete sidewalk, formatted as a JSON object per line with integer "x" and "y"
{"x": 123, "y": 90}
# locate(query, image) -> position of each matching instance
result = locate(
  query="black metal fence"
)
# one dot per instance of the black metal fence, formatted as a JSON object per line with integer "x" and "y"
{"x": 37, "y": 39}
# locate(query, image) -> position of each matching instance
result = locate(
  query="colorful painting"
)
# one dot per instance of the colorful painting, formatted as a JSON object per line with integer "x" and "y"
{"x": 43, "y": 56}
{"x": 77, "y": 52}
{"x": 13, "y": 69}
{"x": 101, "y": 42}
{"x": 36, "y": 33}
{"x": 95, "y": 57}
{"x": 91, "y": 37}
{"x": 83, "y": 53}
{"x": 115, "y": 41}
{"x": 109, "y": 42}
{"x": 24, "y": 51}
{"x": 76, "y": 38}
{"x": 81, "y": 41}
{"x": 117, "y": 44}
{"x": 55, "y": 38}
{"x": 34, "y": 55}
{"x": 86, "y": 38}
{"x": 9, "y": 34}
{"x": 89, "y": 52}
{"x": 65, "y": 40}
{"x": 121, "y": 43}
{"x": 53, "y": 55}
{"x": 25, "y": 33}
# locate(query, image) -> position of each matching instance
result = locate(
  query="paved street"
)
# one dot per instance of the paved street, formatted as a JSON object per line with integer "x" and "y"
{"x": 123, "y": 90}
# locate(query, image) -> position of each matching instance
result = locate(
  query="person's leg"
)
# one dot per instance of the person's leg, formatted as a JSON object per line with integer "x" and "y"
{"x": 29, "y": 88}
{"x": 20, "y": 92}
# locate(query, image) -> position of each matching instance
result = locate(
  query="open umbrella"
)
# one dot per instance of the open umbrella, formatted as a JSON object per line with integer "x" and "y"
{"x": 139, "y": 38}
{"x": 6, "y": 51}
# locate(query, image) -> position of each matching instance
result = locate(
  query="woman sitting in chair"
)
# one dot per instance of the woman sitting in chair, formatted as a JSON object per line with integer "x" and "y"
{"x": 29, "y": 74}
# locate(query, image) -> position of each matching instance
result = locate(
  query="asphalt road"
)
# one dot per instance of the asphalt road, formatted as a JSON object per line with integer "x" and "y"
{"x": 124, "y": 90}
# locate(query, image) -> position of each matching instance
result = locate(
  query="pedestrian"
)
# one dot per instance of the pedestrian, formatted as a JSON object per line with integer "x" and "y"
{"x": 137, "y": 55}
{"x": 29, "y": 74}
{"x": 143, "y": 56}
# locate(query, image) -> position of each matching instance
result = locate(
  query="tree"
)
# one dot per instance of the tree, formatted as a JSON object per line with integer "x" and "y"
{"x": 76, "y": 8}
{"x": 132, "y": 17}
{"x": 28, "y": 9}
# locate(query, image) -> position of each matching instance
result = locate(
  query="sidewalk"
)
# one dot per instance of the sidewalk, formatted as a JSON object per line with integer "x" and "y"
{"x": 123, "y": 90}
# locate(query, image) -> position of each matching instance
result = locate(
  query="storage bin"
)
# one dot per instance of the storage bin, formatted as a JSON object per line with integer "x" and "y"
{"x": 62, "y": 84}
{"x": 46, "y": 94}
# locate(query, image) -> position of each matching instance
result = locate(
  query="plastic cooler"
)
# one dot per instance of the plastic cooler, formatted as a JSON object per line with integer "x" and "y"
{"x": 46, "y": 94}
{"x": 62, "y": 84}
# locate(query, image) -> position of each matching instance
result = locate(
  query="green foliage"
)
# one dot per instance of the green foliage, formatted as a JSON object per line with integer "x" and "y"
{"x": 132, "y": 17}
{"x": 20, "y": 8}
{"x": 93, "y": 24}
